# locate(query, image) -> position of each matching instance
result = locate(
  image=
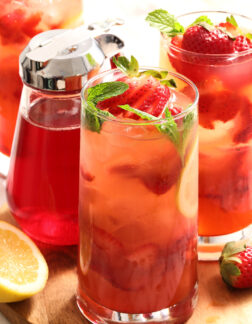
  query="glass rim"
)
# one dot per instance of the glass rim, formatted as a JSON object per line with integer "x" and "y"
{"x": 124, "y": 121}
{"x": 222, "y": 55}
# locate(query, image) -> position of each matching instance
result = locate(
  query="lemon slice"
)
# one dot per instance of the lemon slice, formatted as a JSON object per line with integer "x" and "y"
{"x": 23, "y": 269}
{"x": 187, "y": 196}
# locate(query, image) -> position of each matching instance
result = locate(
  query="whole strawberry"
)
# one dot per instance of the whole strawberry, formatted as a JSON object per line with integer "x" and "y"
{"x": 236, "y": 265}
{"x": 207, "y": 39}
{"x": 242, "y": 43}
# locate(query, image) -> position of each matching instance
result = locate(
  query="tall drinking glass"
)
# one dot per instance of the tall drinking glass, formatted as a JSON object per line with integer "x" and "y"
{"x": 19, "y": 22}
{"x": 138, "y": 213}
{"x": 225, "y": 132}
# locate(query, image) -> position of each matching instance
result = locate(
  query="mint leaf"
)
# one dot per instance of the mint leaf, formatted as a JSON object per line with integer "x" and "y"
{"x": 139, "y": 113}
{"x": 128, "y": 67}
{"x": 90, "y": 59}
{"x": 164, "y": 22}
{"x": 106, "y": 90}
{"x": 232, "y": 21}
{"x": 202, "y": 19}
{"x": 249, "y": 36}
{"x": 98, "y": 93}
{"x": 188, "y": 122}
{"x": 170, "y": 83}
{"x": 168, "y": 126}
{"x": 156, "y": 74}
{"x": 160, "y": 75}
{"x": 89, "y": 118}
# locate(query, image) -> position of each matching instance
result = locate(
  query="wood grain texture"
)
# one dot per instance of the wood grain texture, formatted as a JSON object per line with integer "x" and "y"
{"x": 56, "y": 304}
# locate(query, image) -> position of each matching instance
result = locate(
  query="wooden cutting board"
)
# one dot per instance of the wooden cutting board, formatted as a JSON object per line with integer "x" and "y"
{"x": 56, "y": 304}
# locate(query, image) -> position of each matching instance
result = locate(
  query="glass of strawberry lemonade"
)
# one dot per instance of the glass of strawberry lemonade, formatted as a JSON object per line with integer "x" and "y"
{"x": 214, "y": 50}
{"x": 138, "y": 196}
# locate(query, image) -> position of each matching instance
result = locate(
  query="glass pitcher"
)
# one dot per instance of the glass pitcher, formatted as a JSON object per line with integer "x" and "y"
{"x": 42, "y": 183}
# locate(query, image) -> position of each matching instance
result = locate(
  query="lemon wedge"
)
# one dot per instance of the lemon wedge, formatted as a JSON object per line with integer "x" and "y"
{"x": 187, "y": 196}
{"x": 23, "y": 269}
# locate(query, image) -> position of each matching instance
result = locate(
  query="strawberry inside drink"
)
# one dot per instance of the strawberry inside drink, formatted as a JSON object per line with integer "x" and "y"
{"x": 137, "y": 234}
{"x": 215, "y": 52}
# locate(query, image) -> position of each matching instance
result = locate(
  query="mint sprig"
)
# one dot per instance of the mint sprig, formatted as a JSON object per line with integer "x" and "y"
{"x": 167, "y": 126}
{"x": 249, "y": 36}
{"x": 106, "y": 90}
{"x": 160, "y": 75}
{"x": 165, "y": 22}
{"x": 129, "y": 67}
{"x": 188, "y": 122}
{"x": 201, "y": 19}
{"x": 98, "y": 93}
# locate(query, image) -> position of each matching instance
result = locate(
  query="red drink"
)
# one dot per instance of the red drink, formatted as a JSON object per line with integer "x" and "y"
{"x": 222, "y": 71}
{"x": 138, "y": 227}
{"x": 19, "y": 22}
{"x": 42, "y": 186}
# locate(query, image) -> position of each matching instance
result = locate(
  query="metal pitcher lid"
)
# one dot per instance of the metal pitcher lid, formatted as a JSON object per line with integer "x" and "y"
{"x": 61, "y": 59}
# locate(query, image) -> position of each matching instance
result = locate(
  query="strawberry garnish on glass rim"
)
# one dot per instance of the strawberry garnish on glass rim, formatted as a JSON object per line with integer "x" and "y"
{"x": 137, "y": 95}
{"x": 202, "y": 36}
{"x": 236, "y": 264}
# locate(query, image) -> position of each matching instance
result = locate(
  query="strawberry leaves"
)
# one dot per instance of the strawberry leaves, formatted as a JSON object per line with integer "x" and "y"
{"x": 229, "y": 261}
{"x": 165, "y": 22}
{"x": 232, "y": 21}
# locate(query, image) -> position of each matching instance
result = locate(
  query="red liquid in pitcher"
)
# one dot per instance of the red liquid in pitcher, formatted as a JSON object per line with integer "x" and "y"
{"x": 42, "y": 185}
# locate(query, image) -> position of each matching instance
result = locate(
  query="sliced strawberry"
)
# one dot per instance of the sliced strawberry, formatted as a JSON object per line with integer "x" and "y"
{"x": 144, "y": 256}
{"x": 30, "y": 26}
{"x": 106, "y": 251}
{"x": 243, "y": 131}
{"x": 158, "y": 174}
{"x": 158, "y": 182}
{"x": 228, "y": 26}
{"x": 200, "y": 40}
{"x": 112, "y": 64}
{"x": 175, "y": 110}
{"x": 139, "y": 269}
{"x": 15, "y": 27}
{"x": 177, "y": 40}
{"x": 10, "y": 26}
{"x": 86, "y": 175}
{"x": 222, "y": 105}
{"x": 105, "y": 241}
{"x": 145, "y": 93}
{"x": 225, "y": 179}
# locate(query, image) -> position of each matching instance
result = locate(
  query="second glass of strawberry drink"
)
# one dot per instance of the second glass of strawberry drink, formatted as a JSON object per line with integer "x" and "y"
{"x": 214, "y": 50}
{"x": 138, "y": 196}
{"x": 43, "y": 179}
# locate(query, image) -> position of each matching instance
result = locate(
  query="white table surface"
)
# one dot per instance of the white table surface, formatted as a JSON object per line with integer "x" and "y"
{"x": 141, "y": 40}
